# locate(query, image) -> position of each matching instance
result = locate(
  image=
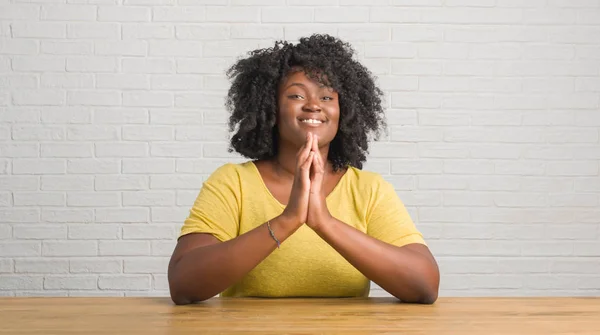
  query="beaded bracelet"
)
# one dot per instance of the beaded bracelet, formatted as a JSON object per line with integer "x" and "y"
{"x": 272, "y": 233}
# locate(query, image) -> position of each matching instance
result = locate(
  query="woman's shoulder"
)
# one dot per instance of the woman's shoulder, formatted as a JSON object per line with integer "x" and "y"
{"x": 365, "y": 178}
{"x": 232, "y": 171}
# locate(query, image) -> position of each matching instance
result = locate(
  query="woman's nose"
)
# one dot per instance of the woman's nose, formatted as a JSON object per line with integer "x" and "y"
{"x": 313, "y": 104}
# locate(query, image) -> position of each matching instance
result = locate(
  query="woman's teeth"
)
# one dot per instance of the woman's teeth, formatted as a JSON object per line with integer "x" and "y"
{"x": 312, "y": 121}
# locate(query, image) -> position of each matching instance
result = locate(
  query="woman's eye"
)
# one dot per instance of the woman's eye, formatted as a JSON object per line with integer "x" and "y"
{"x": 294, "y": 96}
{"x": 329, "y": 98}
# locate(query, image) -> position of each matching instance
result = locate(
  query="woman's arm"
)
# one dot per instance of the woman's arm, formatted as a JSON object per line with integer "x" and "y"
{"x": 202, "y": 266}
{"x": 410, "y": 273}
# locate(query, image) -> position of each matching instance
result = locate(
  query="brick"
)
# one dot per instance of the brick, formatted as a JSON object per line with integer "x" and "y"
{"x": 203, "y": 66}
{"x": 39, "y": 166}
{"x": 121, "y": 48}
{"x": 66, "y": 47}
{"x": 571, "y": 135}
{"x": 38, "y": 199}
{"x": 122, "y": 215}
{"x": 67, "y": 215}
{"x": 121, "y": 183}
{"x": 468, "y": 199}
{"x": 491, "y": 52}
{"x": 69, "y": 12}
{"x": 93, "y": 166}
{"x": 148, "y": 31}
{"x": 12, "y": 282}
{"x": 6, "y": 231}
{"x": 401, "y": 117}
{"x": 18, "y": 47}
{"x": 394, "y": 15}
{"x": 468, "y": 167}
{"x": 69, "y": 115}
{"x": 492, "y": 118}
{"x": 390, "y": 50}
{"x": 446, "y": 150}
{"x": 574, "y": 266}
{"x": 148, "y": 232}
{"x": 521, "y": 200}
{"x": 69, "y": 248}
{"x": 40, "y": 232}
{"x": 214, "y": 117}
{"x": 584, "y": 248}
{"x": 547, "y": 248}
{"x": 473, "y": 16}
{"x": 415, "y": 100}
{"x": 549, "y": 16}
{"x": 94, "y": 232}
{"x": 519, "y": 167}
{"x": 39, "y": 97}
{"x": 176, "y": 82}
{"x": 19, "y": 248}
{"x": 95, "y": 265}
{"x": 67, "y": 80}
{"x": 250, "y": 31}
{"x": 169, "y": 214}
{"x": 443, "y": 215}
{"x": 180, "y": 14}
{"x": 417, "y": 33}
{"x": 92, "y": 133}
{"x": 124, "y": 282}
{"x": 148, "y": 133}
{"x": 574, "y": 200}
{"x": 342, "y": 14}
{"x": 162, "y": 248}
{"x": 175, "y": 48}
{"x": 19, "y": 150}
{"x": 38, "y": 133}
{"x": 176, "y": 182}
{"x": 231, "y": 48}
{"x": 444, "y": 84}
{"x": 150, "y": 265}
{"x": 589, "y": 184}
{"x": 124, "y": 14}
{"x": 124, "y": 248}
{"x": 148, "y": 198}
{"x": 94, "y": 98}
{"x": 19, "y": 183}
{"x": 95, "y": 30}
{"x": 41, "y": 265}
{"x": 66, "y": 150}
{"x": 148, "y": 165}
{"x": 39, "y": 30}
{"x": 589, "y": 84}
{"x": 93, "y": 199}
{"x": 443, "y": 118}
{"x": 294, "y": 32}
{"x": 26, "y": 12}
{"x": 286, "y": 15}
{"x": 92, "y": 64}
{"x": 186, "y": 198}
{"x": 469, "y": 68}
{"x": 442, "y": 182}
{"x": 188, "y": 149}
{"x": 6, "y": 266}
{"x": 119, "y": 115}
{"x": 206, "y": 31}
{"x": 572, "y": 168}
{"x": 547, "y": 184}
{"x": 70, "y": 282}
{"x": 18, "y": 81}
{"x": 88, "y": 293}
{"x": 494, "y": 183}
{"x": 147, "y": 99}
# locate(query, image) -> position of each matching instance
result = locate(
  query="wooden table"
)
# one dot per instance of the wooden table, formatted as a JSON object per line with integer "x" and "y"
{"x": 299, "y": 316}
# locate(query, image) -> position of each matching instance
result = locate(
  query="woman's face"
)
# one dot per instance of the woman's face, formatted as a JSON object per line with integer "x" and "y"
{"x": 305, "y": 106}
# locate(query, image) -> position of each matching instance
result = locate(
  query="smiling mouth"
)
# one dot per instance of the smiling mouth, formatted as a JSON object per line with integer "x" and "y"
{"x": 311, "y": 121}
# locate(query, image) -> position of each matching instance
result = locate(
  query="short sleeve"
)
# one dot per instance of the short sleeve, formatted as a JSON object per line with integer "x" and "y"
{"x": 217, "y": 206}
{"x": 388, "y": 220}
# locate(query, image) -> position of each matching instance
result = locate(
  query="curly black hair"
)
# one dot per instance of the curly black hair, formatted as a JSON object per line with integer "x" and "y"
{"x": 252, "y": 97}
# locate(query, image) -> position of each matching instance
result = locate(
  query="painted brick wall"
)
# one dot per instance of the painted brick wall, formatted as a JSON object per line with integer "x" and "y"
{"x": 111, "y": 115}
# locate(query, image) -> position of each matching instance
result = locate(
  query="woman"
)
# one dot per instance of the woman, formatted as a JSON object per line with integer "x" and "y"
{"x": 301, "y": 219}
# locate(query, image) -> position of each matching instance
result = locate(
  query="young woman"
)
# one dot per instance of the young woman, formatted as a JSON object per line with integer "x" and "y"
{"x": 301, "y": 218}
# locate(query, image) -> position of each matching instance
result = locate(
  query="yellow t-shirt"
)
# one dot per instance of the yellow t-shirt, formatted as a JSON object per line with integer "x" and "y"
{"x": 235, "y": 200}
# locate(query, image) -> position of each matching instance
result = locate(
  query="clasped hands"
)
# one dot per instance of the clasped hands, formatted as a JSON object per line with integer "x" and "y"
{"x": 307, "y": 203}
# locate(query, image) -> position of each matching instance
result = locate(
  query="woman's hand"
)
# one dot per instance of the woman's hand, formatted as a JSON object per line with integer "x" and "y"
{"x": 296, "y": 210}
{"x": 317, "y": 205}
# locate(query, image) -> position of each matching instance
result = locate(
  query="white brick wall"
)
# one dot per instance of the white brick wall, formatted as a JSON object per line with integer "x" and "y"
{"x": 111, "y": 116}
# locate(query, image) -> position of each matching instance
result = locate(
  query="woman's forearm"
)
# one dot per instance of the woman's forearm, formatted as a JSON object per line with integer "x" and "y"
{"x": 206, "y": 271}
{"x": 409, "y": 273}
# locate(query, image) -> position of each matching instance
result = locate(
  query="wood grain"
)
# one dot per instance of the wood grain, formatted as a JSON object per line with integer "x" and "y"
{"x": 299, "y": 316}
